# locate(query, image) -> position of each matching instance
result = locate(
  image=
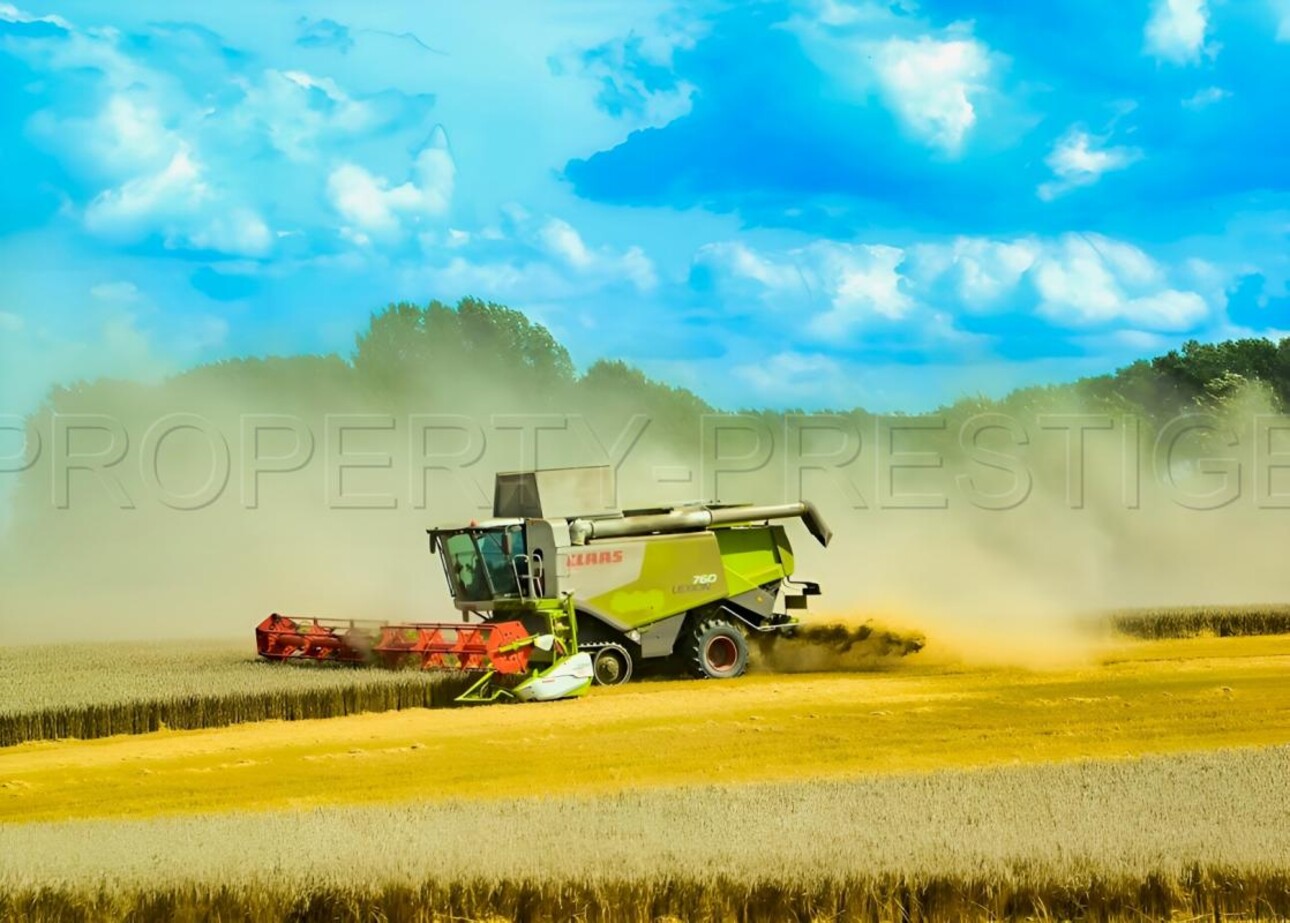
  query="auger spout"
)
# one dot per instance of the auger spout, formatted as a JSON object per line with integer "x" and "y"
{"x": 693, "y": 520}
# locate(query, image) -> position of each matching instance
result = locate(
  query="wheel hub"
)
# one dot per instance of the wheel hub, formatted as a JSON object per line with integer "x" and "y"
{"x": 611, "y": 665}
{"x": 721, "y": 654}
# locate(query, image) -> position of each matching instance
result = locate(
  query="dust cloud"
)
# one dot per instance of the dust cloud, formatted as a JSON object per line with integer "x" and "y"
{"x": 819, "y": 647}
{"x": 1026, "y": 585}
{"x": 988, "y": 561}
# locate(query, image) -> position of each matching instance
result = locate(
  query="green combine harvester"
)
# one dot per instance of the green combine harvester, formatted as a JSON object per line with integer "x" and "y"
{"x": 559, "y": 590}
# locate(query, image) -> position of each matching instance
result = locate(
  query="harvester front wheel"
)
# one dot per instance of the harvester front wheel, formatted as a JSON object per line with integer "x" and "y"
{"x": 715, "y": 649}
{"x": 611, "y": 665}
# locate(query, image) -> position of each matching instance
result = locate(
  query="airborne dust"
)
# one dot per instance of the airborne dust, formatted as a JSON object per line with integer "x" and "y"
{"x": 314, "y": 499}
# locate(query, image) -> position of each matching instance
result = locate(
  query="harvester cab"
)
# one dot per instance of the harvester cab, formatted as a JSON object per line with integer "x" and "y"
{"x": 561, "y": 588}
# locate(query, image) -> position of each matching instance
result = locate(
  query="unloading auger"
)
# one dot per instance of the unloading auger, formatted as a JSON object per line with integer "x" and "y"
{"x": 560, "y": 589}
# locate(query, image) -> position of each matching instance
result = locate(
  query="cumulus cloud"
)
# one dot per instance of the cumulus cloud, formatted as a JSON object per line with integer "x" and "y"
{"x": 932, "y": 80}
{"x": 175, "y": 136}
{"x": 1176, "y": 30}
{"x": 1079, "y": 159}
{"x": 126, "y": 135}
{"x": 842, "y": 293}
{"x": 737, "y": 260}
{"x": 929, "y": 84}
{"x": 528, "y": 259}
{"x": 67, "y": 48}
{"x": 179, "y": 203}
{"x": 375, "y": 209}
{"x": 136, "y": 151}
{"x": 982, "y": 272}
{"x": 846, "y": 286}
{"x": 1087, "y": 280}
{"x": 865, "y": 283}
{"x": 1073, "y": 281}
{"x": 564, "y": 242}
{"x": 176, "y": 189}
{"x": 297, "y": 110}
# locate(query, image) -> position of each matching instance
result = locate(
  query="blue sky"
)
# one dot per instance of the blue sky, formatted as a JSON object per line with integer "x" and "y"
{"x": 815, "y": 204}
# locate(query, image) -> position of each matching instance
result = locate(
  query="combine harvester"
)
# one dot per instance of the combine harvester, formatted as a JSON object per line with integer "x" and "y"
{"x": 560, "y": 589}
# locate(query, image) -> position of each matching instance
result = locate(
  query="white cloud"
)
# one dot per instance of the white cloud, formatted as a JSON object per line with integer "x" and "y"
{"x": 10, "y": 13}
{"x": 1087, "y": 280}
{"x": 846, "y": 286}
{"x": 238, "y": 231}
{"x": 735, "y": 259}
{"x": 982, "y": 271}
{"x": 375, "y": 209}
{"x": 1079, "y": 159}
{"x": 563, "y": 241}
{"x": 913, "y": 295}
{"x": 865, "y": 283}
{"x": 1206, "y": 97}
{"x": 282, "y": 106}
{"x": 127, "y": 136}
{"x": 929, "y": 84}
{"x": 549, "y": 260}
{"x": 76, "y": 49}
{"x": 1176, "y": 30}
{"x": 176, "y": 189}
{"x": 180, "y": 204}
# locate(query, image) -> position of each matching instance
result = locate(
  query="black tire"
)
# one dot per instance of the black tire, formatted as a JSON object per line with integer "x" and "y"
{"x": 715, "y": 648}
{"x": 611, "y": 665}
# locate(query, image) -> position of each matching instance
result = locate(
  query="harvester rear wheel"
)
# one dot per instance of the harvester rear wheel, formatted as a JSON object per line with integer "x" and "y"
{"x": 611, "y": 665}
{"x": 715, "y": 649}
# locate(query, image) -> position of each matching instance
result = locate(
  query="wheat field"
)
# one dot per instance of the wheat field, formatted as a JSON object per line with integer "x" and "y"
{"x": 97, "y": 690}
{"x": 1150, "y": 697}
{"x": 1193, "y": 621}
{"x": 1193, "y": 834}
{"x": 1148, "y": 784}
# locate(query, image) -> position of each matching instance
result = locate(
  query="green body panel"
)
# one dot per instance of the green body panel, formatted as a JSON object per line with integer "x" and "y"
{"x": 753, "y": 556}
{"x": 676, "y": 574}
